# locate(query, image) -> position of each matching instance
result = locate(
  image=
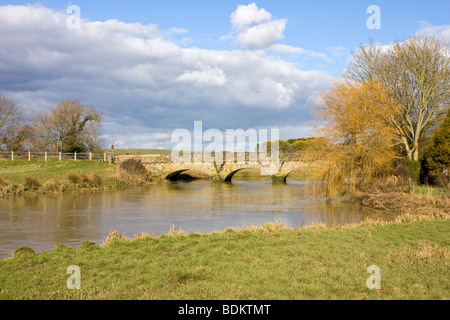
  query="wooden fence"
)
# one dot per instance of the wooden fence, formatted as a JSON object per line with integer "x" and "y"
{"x": 48, "y": 156}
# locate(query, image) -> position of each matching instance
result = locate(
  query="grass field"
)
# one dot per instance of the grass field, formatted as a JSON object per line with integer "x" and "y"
{"x": 16, "y": 171}
{"x": 270, "y": 262}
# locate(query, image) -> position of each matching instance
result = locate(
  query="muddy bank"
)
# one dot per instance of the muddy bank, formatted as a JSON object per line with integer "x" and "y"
{"x": 405, "y": 203}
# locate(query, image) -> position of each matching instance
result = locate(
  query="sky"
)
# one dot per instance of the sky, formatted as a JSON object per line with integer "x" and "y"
{"x": 152, "y": 67}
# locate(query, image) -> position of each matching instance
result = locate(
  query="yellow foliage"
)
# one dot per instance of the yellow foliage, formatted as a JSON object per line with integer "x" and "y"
{"x": 357, "y": 139}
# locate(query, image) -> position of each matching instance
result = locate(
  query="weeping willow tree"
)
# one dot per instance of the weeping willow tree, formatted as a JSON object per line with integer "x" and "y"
{"x": 357, "y": 140}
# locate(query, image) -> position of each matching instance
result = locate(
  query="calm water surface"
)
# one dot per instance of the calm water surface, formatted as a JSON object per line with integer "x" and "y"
{"x": 42, "y": 222}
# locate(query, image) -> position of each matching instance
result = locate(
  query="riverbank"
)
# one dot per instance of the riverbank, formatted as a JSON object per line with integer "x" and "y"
{"x": 21, "y": 177}
{"x": 405, "y": 199}
{"x": 18, "y": 178}
{"x": 268, "y": 262}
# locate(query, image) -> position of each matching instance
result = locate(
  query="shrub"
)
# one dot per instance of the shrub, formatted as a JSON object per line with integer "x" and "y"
{"x": 3, "y": 183}
{"x": 31, "y": 183}
{"x": 74, "y": 178}
{"x": 91, "y": 181}
{"x": 85, "y": 179}
{"x": 408, "y": 169}
{"x": 135, "y": 167}
{"x": 23, "y": 252}
{"x": 96, "y": 180}
{"x": 73, "y": 183}
{"x": 114, "y": 235}
{"x": 58, "y": 187}
{"x": 11, "y": 190}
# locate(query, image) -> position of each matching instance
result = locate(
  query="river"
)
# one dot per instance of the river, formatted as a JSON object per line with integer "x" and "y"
{"x": 43, "y": 221}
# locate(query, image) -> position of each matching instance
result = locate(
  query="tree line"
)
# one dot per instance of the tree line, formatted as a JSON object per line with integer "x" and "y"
{"x": 389, "y": 109}
{"x": 66, "y": 127}
{"x": 291, "y": 145}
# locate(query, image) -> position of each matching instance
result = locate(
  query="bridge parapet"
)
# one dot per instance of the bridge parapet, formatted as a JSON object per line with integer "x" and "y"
{"x": 227, "y": 157}
{"x": 162, "y": 165}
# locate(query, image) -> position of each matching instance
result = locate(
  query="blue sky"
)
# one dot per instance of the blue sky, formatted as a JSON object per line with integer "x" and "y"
{"x": 154, "y": 66}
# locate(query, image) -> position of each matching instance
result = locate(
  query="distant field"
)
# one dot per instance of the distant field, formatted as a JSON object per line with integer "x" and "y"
{"x": 138, "y": 151}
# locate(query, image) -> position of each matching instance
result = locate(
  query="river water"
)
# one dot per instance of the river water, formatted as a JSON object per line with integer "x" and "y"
{"x": 42, "y": 222}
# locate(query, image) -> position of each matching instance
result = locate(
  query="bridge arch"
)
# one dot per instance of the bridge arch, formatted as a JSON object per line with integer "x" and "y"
{"x": 231, "y": 174}
{"x": 280, "y": 177}
{"x": 193, "y": 175}
{"x": 285, "y": 177}
{"x": 174, "y": 175}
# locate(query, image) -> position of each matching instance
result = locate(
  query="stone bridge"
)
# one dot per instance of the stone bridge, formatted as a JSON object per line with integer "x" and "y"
{"x": 163, "y": 166}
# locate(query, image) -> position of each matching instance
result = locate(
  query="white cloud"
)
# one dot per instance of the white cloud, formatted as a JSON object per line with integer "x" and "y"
{"x": 140, "y": 78}
{"x": 285, "y": 49}
{"x": 442, "y": 31}
{"x": 177, "y": 31}
{"x": 338, "y": 51}
{"x": 250, "y": 15}
{"x": 261, "y": 36}
{"x": 204, "y": 77}
{"x": 255, "y": 28}
{"x": 162, "y": 136}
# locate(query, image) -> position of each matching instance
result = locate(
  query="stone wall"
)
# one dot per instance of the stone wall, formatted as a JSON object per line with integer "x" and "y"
{"x": 162, "y": 165}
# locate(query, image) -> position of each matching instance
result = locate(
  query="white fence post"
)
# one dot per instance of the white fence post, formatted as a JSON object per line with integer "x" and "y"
{"x": 29, "y": 155}
{"x": 45, "y": 156}
{"x": 104, "y": 156}
{"x": 75, "y": 156}
{"x": 60, "y": 156}
{"x": 90, "y": 156}
{"x": 12, "y": 155}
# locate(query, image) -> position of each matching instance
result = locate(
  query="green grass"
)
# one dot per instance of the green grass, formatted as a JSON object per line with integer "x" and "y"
{"x": 271, "y": 262}
{"x": 16, "y": 171}
{"x": 429, "y": 191}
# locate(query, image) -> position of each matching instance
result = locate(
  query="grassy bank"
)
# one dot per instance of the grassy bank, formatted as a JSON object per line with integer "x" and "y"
{"x": 40, "y": 177}
{"x": 404, "y": 198}
{"x": 23, "y": 177}
{"x": 270, "y": 262}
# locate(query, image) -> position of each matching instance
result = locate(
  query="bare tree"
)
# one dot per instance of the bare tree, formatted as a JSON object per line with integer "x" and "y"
{"x": 69, "y": 127}
{"x": 417, "y": 74}
{"x": 11, "y": 117}
{"x": 20, "y": 137}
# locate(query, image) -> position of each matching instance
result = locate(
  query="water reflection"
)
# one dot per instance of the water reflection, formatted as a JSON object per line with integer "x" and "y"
{"x": 45, "y": 221}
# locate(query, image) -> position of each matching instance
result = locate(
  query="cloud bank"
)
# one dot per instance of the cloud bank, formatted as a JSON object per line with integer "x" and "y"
{"x": 145, "y": 84}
